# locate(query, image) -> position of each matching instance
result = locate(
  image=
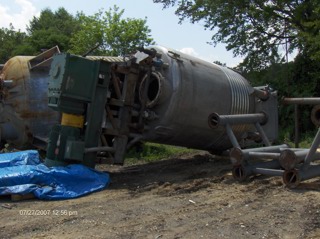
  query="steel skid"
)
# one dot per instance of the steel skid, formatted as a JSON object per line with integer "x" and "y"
{"x": 294, "y": 165}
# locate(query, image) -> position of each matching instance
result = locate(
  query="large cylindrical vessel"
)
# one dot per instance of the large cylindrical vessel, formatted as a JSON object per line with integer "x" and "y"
{"x": 185, "y": 91}
{"x": 25, "y": 116}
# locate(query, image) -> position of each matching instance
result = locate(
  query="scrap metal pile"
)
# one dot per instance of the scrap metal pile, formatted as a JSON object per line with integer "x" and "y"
{"x": 96, "y": 108}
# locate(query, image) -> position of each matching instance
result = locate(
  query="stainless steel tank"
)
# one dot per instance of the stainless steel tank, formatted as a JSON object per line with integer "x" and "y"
{"x": 186, "y": 90}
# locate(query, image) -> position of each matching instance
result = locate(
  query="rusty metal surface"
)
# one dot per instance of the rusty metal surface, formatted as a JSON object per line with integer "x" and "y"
{"x": 302, "y": 101}
{"x": 292, "y": 178}
{"x": 25, "y": 101}
{"x": 44, "y": 59}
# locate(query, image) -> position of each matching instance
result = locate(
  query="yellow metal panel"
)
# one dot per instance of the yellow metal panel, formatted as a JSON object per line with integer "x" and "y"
{"x": 72, "y": 120}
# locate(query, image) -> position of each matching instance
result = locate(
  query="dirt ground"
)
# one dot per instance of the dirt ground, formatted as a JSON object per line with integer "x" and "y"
{"x": 193, "y": 196}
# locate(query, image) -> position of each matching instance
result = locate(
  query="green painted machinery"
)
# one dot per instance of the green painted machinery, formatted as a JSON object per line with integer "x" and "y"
{"x": 78, "y": 90}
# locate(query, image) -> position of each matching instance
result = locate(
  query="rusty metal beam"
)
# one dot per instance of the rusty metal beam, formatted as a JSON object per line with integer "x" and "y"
{"x": 302, "y": 101}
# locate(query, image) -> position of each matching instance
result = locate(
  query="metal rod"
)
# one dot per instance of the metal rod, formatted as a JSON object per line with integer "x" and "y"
{"x": 216, "y": 119}
{"x": 238, "y": 155}
{"x": 262, "y": 94}
{"x": 262, "y": 134}
{"x": 144, "y": 99}
{"x": 269, "y": 172}
{"x": 134, "y": 141}
{"x": 104, "y": 140}
{"x": 302, "y": 101}
{"x": 296, "y": 125}
{"x": 97, "y": 149}
{"x": 312, "y": 151}
{"x": 110, "y": 117}
{"x": 274, "y": 149}
{"x": 116, "y": 85}
{"x": 241, "y": 172}
{"x": 293, "y": 149}
{"x": 232, "y": 137}
{"x": 273, "y": 164}
{"x": 264, "y": 155}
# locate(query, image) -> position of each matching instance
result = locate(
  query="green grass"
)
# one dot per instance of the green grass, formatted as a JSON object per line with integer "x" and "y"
{"x": 304, "y": 142}
{"x": 154, "y": 152}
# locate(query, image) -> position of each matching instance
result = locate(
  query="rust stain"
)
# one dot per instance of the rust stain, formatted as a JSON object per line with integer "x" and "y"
{"x": 32, "y": 114}
{"x": 16, "y": 68}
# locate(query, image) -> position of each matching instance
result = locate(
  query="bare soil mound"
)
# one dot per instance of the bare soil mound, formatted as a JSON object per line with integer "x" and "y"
{"x": 193, "y": 196}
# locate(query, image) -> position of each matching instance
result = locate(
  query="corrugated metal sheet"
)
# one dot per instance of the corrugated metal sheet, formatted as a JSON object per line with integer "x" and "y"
{"x": 114, "y": 59}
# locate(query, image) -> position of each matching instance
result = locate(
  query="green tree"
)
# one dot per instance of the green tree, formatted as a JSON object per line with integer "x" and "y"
{"x": 50, "y": 29}
{"x": 115, "y": 35}
{"x": 311, "y": 36}
{"x": 9, "y": 40}
{"x": 256, "y": 29}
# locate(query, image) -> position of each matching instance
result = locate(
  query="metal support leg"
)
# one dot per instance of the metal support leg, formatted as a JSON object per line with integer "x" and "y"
{"x": 314, "y": 146}
{"x": 292, "y": 178}
{"x": 262, "y": 134}
{"x": 232, "y": 137}
{"x": 241, "y": 172}
{"x": 296, "y": 125}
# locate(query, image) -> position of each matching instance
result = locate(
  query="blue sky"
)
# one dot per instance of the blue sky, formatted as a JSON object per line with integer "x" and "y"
{"x": 165, "y": 29}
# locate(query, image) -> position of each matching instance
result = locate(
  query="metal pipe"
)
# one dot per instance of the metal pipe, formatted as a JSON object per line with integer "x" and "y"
{"x": 241, "y": 172}
{"x": 293, "y": 149}
{"x": 262, "y": 93}
{"x": 272, "y": 149}
{"x": 232, "y": 137}
{"x": 134, "y": 141}
{"x": 97, "y": 149}
{"x": 262, "y": 134}
{"x": 292, "y": 178}
{"x": 312, "y": 151}
{"x": 296, "y": 125}
{"x": 264, "y": 155}
{"x": 238, "y": 155}
{"x": 302, "y": 101}
{"x": 215, "y": 119}
{"x": 268, "y": 171}
{"x": 289, "y": 158}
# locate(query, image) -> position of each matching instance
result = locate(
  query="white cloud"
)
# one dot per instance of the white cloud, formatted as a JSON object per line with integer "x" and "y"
{"x": 189, "y": 51}
{"x": 26, "y": 11}
{"x": 192, "y": 52}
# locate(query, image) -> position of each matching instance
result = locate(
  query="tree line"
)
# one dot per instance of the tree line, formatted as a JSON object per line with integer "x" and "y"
{"x": 108, "y": 32}
{"x": 264, "y": 33}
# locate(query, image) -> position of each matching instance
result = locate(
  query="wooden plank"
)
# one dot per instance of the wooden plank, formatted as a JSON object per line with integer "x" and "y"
{"x": 20, "y": 197}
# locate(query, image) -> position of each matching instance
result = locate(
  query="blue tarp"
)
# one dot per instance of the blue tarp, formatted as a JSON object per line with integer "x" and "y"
{"x": 22, "y": 173}
{"x": 28, "y": 157}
